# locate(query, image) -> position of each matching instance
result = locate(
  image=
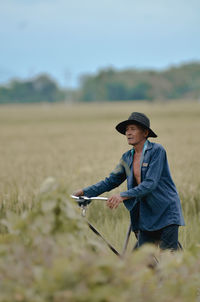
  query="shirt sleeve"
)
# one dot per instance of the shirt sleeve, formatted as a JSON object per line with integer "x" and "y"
{"x": 152, "y": 177}
{"x": 116, "y": 177}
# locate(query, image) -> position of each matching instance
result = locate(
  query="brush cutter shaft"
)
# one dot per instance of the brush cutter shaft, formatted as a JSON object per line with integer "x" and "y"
{"x": 83, "y": 202}
{"x": 98, "y": 234}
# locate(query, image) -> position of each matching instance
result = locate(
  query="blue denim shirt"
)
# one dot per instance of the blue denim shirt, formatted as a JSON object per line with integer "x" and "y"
{"x": 154, "y": 203}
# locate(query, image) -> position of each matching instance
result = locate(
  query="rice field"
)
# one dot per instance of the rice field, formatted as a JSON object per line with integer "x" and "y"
{"x": 73, "y": 146}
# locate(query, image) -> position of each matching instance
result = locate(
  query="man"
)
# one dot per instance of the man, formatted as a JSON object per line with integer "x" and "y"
{"x": 151, "y": 198}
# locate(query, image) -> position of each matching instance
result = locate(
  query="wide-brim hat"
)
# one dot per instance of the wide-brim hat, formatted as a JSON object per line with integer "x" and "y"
{"x": 138, "y": 119}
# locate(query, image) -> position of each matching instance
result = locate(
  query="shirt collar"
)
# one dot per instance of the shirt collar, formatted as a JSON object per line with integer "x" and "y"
{"x": 147, "y": 145}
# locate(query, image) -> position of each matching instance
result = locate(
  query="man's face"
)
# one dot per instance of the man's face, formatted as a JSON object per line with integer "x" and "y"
{"x": 135, "y": 134}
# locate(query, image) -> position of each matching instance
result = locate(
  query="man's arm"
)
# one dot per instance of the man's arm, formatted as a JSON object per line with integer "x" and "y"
{"x": 116, "y": 177}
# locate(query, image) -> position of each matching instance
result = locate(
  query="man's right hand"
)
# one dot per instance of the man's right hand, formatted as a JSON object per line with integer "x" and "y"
{"x": 78, "y": 192}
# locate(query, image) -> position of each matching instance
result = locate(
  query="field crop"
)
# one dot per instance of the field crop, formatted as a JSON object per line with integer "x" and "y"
{"x": 47, "y": 152}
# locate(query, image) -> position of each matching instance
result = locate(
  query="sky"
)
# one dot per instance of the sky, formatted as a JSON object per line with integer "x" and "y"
{"x": 70, "y": 38}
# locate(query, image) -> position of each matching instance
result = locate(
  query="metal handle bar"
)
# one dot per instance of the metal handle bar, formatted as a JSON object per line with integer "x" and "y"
{"x": 88, "y": 198}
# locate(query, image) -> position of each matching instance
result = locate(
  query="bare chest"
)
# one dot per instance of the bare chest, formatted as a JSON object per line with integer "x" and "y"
{"x": 136, "y": 167}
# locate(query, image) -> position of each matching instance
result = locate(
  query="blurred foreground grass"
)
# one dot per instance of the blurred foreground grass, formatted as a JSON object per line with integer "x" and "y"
{"x": 78, "y": 146}
{"x": 48, "y": 255}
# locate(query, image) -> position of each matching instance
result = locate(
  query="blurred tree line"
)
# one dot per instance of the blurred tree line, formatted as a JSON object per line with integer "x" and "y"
{"x": 173, "y": 83}
{"x": 182, "y": 82}
{"x": 40, "y": 89}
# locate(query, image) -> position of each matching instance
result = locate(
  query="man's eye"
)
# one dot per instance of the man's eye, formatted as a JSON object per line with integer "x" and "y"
{"x": 132, "y": 129}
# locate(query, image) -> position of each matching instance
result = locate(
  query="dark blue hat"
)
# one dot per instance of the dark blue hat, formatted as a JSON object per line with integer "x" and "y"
{"x": 138, "y": 119}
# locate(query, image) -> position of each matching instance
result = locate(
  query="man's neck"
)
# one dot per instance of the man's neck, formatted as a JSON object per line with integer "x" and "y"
{"x": 139, "y": 146}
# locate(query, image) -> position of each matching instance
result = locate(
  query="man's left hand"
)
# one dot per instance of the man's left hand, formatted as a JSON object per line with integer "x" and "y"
{"x": 114, "y": 201}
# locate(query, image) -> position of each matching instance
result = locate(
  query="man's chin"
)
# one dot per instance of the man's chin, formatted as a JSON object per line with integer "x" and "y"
{"x": 132, "y": 143}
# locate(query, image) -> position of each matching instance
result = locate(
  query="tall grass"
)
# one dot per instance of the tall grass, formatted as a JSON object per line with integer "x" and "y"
{"x": 79, "y": 146}
{"x": 47, "y": 152}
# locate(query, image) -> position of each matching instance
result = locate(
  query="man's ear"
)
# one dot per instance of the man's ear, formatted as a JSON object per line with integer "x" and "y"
{"x": 146, "y": 133}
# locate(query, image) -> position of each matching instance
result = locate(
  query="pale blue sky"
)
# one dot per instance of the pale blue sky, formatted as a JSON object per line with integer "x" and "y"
{"x": 69, "y": 38}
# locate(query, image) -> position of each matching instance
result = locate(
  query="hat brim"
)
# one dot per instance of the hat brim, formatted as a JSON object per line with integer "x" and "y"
{"x": 121, "y": 127}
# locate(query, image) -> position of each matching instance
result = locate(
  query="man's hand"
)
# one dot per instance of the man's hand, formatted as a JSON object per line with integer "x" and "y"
{"x": 114, "y": 201}
{"x": 78, "y": 193}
